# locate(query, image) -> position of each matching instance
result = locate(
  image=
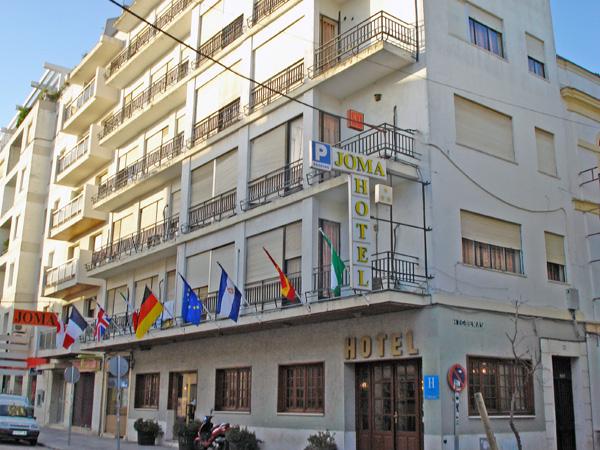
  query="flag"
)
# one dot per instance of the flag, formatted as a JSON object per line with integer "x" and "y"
{"x": 102, "y": 322}
{"x": 337, "y": 268}
{"x": 287, "y": 290}
{"x": 75, "y": 328}
{"x": 150, "y": 310}
{"x": 229, "y": 298}
{"x": 61, "y": 328}
{"x": 191, "y": 310}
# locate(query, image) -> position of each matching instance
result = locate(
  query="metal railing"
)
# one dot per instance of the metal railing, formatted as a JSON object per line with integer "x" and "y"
{"x": 76, "y": 104}
{"x": 72, "y": 156}
{"x": 62, "y": 273}
{"x": 141, "y": 168}
{"x": 137, "y": 242}
{"x": 591, "y": 175}
{"x": 261, "y": 293}
{"x": 220, "y": 40}
{"x": 144, "y": 36}
{"x": 68, "y": 211}
{"x": 264, "y": 8}
{"x": 282, "y": 182}
{"x": 282, "y": 82}
{"x": 223, "y": 118}
{"x": 144, "y": 98}
{"x": 395, "y": 271}
{"x": 47, "y": 340}
{"x": 212, "y": 210}
{"x": 379, "y": 27}
{"x": 386, "y": 141}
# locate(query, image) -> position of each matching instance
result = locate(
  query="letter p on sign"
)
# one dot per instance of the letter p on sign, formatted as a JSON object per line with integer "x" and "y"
{"x": 320, "y": 155}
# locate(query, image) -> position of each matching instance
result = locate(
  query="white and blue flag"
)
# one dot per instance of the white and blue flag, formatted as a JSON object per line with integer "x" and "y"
{"x": 229, "y": 299}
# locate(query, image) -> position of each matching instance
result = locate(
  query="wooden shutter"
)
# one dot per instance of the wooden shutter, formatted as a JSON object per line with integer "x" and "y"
{"x": 279, "y": 52}
{"x": 545, "y": 152}
{"x": 258, "y": 266}
{"x": 202, "y": 184}
{"x": 490, "y": 231}
{"x": 226, "y": 256}
{"x": 483, "y": 129}
{"x": 268, "y": 152}
{"x": 226, "y": 172}
{"x": 535, "y": 48}
{"x": 293, "y": 240}
{"x": 295, "y": 138}
{"x": 555, "y": 248}
{"x": 197, "y": 269}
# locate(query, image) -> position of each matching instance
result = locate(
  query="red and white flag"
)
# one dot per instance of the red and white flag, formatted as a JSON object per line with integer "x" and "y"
{"x": 61, "y": 329}
{"x": 102, "y": 322}
{"x": 75, "y": 328}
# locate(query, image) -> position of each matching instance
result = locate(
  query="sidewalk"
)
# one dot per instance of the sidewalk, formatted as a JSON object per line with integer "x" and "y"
{"x": 57, "y": 440}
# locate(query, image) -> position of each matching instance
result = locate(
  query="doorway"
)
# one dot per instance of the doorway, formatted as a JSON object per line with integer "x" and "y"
{"x": 83, "y": 401}
{"x": 563, "y": 403}
{"x": 57, "y": 403}
{"x": 327, "y": 57}
{"x": 389, "y": 406}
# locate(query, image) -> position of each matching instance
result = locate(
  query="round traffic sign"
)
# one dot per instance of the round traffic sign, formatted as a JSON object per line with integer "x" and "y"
{"x": 118, "y": 366}
{"x": 457, "y": 378}
{"x": 72, "y": 375}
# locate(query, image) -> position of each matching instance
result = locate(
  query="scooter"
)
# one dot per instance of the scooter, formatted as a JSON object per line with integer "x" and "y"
{"x": 211, "y": 436}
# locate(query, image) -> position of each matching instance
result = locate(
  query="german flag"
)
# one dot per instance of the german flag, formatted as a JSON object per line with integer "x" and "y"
{"x": 287, "y": 290}
{"x": 150, "y": 310}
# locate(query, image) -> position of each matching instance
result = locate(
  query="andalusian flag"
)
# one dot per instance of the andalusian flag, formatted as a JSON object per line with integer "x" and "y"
{"x": 337, "y": 268}
{"x": 287, "y": 290}
{"x": 150, "y": 310}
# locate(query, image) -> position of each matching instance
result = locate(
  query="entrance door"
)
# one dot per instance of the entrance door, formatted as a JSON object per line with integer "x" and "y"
{"x": 57, "y": 402}
{"x": 388, "y": 406}
{"x": 563, "y": 402}
{"x": 83, "y": 402}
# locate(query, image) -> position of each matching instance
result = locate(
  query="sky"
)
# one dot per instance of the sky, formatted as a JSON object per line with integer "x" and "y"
{"x": 61, "y": 31}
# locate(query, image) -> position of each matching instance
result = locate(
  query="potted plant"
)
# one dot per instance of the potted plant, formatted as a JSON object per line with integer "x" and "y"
{"x": 242, "y": 439}
{"x": 147, "y": 431}
{"x": 323, "y": 440}
{"x": 186, "y": 432}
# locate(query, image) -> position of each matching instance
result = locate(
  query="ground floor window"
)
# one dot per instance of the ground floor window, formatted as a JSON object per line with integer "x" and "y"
{"x": 301, "y": 388}
{"x": 232, "y": 391}
{"x": 496, "y": 379}
{"x": 183, "y": 388}
{"x": 147, "y": 388}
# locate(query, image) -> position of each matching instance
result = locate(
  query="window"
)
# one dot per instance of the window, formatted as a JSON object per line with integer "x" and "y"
{"x": 183, "y": 387}
{"x": 330, "y": 128}
{"x": 545, "y": 152}
{"x": 89, "y": 306}
{"x": 491, "y": 243}
{"x": 555, "y": 257}
{"x": 117, "y": 300}
{"x": 536, "y": 67}
{"x": 486, "y": 37}
{"x": 495, "y": 379}
{"x": 332, "y": 230}
{"x": 301, "y": 388}
{"x": 232, "y": 389}
{"x": 147, "y": 387}
{"x": 16, "y": 227}
{"x": 11, "y": 273}
{"x": 536, "y": 55}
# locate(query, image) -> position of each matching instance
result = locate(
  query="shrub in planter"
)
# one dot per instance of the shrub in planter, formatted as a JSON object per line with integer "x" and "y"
{"x": 323, "y": 440}
{"x": 147, "y": 431}
{"x": 242, "y": 439}
{"x": 186, "y": 433}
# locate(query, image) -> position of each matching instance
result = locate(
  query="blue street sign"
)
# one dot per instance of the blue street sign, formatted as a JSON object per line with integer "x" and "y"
{"x": 321, "y": 156}
{"x": 431, "y": 387}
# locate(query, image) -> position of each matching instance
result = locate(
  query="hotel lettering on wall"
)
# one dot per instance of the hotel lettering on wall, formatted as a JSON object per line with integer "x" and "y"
{"x": 383, "y": 345}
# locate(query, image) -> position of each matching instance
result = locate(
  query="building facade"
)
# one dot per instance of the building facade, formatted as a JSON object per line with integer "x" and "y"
{"x": 171, "y": 162}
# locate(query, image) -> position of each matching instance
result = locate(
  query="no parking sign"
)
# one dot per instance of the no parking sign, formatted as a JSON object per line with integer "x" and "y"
{"x": 457, "y": 378}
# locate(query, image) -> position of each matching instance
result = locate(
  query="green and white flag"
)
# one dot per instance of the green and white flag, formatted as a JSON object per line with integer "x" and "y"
{"x": 337, "y": 268}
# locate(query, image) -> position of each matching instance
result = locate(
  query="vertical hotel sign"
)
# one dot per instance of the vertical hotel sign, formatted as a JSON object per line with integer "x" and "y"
{"x": 361, "y": 168}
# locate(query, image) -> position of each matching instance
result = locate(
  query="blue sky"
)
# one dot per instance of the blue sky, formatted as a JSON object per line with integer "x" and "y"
{"x": 61, "y": 31}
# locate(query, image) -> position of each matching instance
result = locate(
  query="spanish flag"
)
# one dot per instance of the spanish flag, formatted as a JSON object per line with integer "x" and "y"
{"x": 287, "y": 290}
{"x": 150, "y": 310}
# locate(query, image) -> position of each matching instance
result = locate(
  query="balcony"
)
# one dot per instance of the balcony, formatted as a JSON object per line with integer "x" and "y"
{"x": 146, "y": 107}
{"x": 220, "y": 40}
{"x": 99, "y": 56}
{"x": 76, "y": 217}
{"x": 266, "y": 294}
{"x": 212, "y": 210}
{"x": 264, "y": 8}
{"x": 279, "y": 183}
{"x": 69, "y": 279}
{"x": 155, "y": 168}
{"x": 387, "y": 42}
{"x": 144, "y": 48}
{"x": 138, "y": 242}
{"x": 280, "y": 83}
{"x": 386, "y": 141}
{"x": 82, "y": 161}
{"x": 216, "y": 122}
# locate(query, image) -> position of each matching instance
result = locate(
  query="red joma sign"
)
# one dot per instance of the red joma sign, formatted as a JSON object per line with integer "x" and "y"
{"x": 35, "y": 318}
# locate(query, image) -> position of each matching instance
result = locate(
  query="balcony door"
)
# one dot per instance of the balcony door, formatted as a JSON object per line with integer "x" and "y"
{"x": 328, "y": 32}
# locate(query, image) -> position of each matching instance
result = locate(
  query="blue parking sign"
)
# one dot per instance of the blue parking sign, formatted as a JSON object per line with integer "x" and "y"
{"x": 431, "y": 387}
{"x": 320, "y": 155}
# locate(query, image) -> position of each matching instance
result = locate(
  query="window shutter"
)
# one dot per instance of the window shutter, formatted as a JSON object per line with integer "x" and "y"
{"x": 226, "y": 257}
{"x": 295, "y": 140}
{"x": 293, "y": 240}
{"x": 149, "y": 215}
{"x": 555, "y": 248}
{"x": 197, "y": 269}
{"x": 268, "y": 152}
{"x": 212, "y": 22}
{"x": 258, "y": 266}
{"x": 155, "y": 141}
{"x": 490, "y": 231}
{"x": 202, "y": 184}
{"x": 545, "y": 152}
{"x": 171, "y": 285}
{"x": 535, "y": 48}
{"x": 483, "y": 129}
{"x": 226, "y": 172}
{"x": 279, "y": 52}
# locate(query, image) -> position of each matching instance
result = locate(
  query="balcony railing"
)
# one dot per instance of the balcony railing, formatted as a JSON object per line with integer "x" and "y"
{"x": 144, "y": 36}
{"x": 284, "y": 181}
{"x": 223, "y": 118}
{"x": 144, "y": 98}
{"x": 137, "y": 242}
{"x": 67, "y": 212}
{"x": 220, "y": 40}
{"x": 73, "y": 155}
{"x": 141, "y": 168}
{"x": 386, "y": 141}
{"x": 60, "y": 274}
{"x": 379, "y": 27}
{"x": 212, "y": 210}
{"x": 282, "y": 82}
{"x": 591, "y": 175}
{"x": 264, "y": 8}
{"x": 262, "y": 293}
{"x": 47, "y": 340}
{"x": 76, "y": 104}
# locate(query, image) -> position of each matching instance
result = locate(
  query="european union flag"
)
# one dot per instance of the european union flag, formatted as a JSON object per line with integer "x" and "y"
{"x": 191, "y": 306}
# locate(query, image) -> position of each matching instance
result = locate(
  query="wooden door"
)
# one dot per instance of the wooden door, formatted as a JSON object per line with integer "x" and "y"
{"x": 327, "y": 56}
{"x": 83, "y": 401}
{"x": 563, "y": 402}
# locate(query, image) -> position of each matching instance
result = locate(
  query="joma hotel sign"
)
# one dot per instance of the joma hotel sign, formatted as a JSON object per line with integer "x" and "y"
{"x": 361, "y": 169}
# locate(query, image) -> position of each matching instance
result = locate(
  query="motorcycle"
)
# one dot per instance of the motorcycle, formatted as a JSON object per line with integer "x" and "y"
{"x": 211, "y": 436}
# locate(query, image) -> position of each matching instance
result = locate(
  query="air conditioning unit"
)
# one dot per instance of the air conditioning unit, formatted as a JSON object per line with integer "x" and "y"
{"x": 572, "y": 299}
